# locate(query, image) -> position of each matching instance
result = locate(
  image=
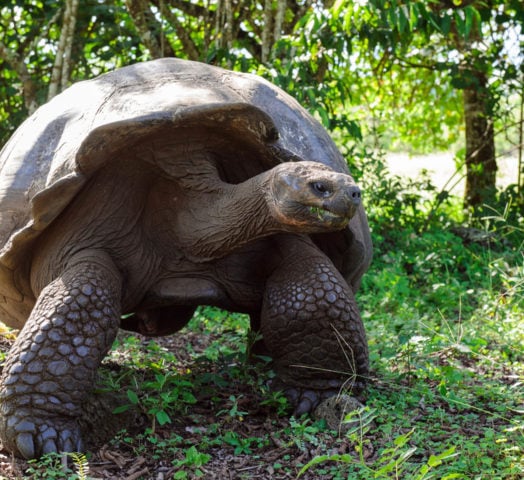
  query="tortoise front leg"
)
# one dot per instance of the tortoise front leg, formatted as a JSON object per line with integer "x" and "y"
{"x": 312, "y": 327}
{"x": 52, "y": 365}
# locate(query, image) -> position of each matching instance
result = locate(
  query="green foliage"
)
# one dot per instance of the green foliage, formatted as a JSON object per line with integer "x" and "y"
{"x": 232, "y": 327}
{"x": 392, "y": 461}
{"x": 303, "y": 432}
{"x": 55, "y": 466}
{"x": 277, "y": 401}
{"x": 240, "y": 444}
{"x": 188, "y": 467}
{"x": 161, "y": 392}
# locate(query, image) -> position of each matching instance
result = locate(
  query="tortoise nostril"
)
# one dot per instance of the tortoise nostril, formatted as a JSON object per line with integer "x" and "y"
{"x": 354, "y": 194}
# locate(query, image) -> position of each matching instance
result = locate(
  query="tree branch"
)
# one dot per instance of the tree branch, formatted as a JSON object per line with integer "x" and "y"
{"x": 190, "y": 9}
{"x": 406, "y": 63}
{"x": 146, "y": 25}
{"x": 56, "y": 74}
{"x": 182, "y": 34}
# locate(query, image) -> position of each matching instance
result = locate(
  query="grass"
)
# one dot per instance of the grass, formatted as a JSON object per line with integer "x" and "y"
{"x": 445, "y": 323}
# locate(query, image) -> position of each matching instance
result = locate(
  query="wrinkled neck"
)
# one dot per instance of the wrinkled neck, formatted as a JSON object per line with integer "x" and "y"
{"x": 222, "y": 217}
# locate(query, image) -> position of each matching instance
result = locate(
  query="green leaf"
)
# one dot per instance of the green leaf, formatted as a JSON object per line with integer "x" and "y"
{"x": 460, "y": 22}
{"x": 344, "y": 458}
{"x": 401, "y": 440}
{"x": 337, "y": 6}
{"x": 403, "y": 22}
{"x": 443, "y": 389}
{"x": 162, "y": 417}
{"x": 392, "y": 16}
{"x": 434, "y": 461}
{"x": 445, "y": 24}
{"x": 413, "y": 16}
{"x": 133, "y": 397}
{"x": 468, "y": 22}
{"x": 429, "y": 16}
{"x": 121, "y": 409}
{"x": 405, "y": 455}
{"x": 471, "y": 15}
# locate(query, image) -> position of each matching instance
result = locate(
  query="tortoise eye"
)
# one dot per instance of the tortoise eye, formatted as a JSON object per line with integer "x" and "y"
{"x": 321, "y": 189}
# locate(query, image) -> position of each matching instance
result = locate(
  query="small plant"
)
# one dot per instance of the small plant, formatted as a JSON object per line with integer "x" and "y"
{"x": 303, "y": 432}
{"x": 55, "y": 466}
{"x": 160, "y": 396}
{"x": 276, "y": 400}
{"x": 391, "y": 463}
{"x": 233, "y": 412}
{"x": 242, "y": 445}
{"x": 189, "y": 466}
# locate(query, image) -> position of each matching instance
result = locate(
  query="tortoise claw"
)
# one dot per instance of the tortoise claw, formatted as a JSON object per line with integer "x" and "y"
{"x": 34, "y": 438}
{"x": 308, "y": 400}
{"x": 25, "y": 445}
{"x": 49, "y": 447}
{"x": 302, "y": 399}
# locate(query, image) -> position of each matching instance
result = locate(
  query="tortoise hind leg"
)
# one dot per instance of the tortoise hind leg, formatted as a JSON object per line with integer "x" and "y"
{"x": 312, "y": 327}
{"x": 52, "y": 365}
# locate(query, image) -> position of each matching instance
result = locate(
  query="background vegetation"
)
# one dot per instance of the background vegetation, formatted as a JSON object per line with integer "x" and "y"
{"x": 443, "y": 301}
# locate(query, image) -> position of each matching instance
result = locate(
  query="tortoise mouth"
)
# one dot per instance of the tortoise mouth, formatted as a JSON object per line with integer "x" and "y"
{"x": 326, "y": 215}
{"x": 323, "y": 213}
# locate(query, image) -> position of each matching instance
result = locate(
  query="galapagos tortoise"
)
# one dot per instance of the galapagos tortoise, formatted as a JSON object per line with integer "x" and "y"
{"x": 154, "y": 189}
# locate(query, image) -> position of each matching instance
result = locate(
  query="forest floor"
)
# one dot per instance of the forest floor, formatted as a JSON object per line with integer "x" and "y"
{"x": 223, "y": 429}
{"x": 224, "y": 424}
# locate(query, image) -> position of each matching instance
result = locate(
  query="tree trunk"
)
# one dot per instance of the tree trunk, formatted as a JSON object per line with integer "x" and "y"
{"x": 520, "y": 175}
{"x": 70, "y": 33}
{"x": 228, "y": 27}
{"x": 29, "y": 87}
{"x": 56, "y": 74}
{"x": 279, "y": 20}
{"x": 266, "y": 32}
{"x": 62, "y": 65}
{"x": 481, "y": 165}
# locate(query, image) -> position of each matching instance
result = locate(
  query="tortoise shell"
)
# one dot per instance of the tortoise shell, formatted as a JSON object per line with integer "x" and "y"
{"x": 250, "y": 124}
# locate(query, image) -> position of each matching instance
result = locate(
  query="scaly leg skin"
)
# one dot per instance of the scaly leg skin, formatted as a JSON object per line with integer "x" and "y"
{"x": 52, "y": 365}
{"x": 312, "y": 327}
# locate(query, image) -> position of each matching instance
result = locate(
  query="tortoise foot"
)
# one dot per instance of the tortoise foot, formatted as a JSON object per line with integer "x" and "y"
{"x": 29, "y": 436}
{"x": 312, "y": 327}
{"x": 303, "y": 400}
{"x": 51, "y": 367}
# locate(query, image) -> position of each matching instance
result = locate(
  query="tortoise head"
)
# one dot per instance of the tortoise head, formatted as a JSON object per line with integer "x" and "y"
{"x": 312, "y": 198}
